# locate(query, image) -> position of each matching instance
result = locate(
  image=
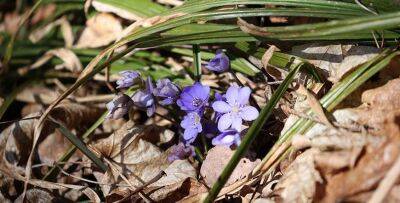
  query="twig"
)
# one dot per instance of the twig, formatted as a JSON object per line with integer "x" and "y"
{"x": 156, "y": 178}
{"x": 22, "y": 119}
{"x": 387, "y": 183}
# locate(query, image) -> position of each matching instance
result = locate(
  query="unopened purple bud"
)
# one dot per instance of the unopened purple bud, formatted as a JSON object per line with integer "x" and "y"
{"x": 180, "y": 151}
{"x": 145, "y": 99}
{"x": 119, "y": 106}
{"x": 220, "y": 63}
{"x": 166, "y": 90}
{"x": 128, "y": 79}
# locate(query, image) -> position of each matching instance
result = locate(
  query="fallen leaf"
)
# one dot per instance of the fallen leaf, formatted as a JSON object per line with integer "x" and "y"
{"x": 37, "y": 94}
{"x": 66, "y": 31}
{"x": 366, "y": 174}
{"x": 386, "y": 96}
{"x": 37, "y": 196}
{"x": 215, "y": 162}
{"x": 101, "y": 30}
{"x": 130, "y": 155}
{"x": 336, "y": 60}
{"x": 120, "y": 11}
{"x": 300, "y": 179}
{"x": 70, "y": 61}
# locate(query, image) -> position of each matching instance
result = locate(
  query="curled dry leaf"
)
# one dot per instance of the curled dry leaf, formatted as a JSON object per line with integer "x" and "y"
{"x": 300, "y": 179}
{"x": 130, "y": 154}
{"x": 120, "y": 11}
{"x": 336, "y": 60}
{"x": 66, "y": 31}
{"x": 215, "y": 162}
{"x": 70, "y": 61}
{"x": 101, "y": 30}
{"x": 366, "y": 175}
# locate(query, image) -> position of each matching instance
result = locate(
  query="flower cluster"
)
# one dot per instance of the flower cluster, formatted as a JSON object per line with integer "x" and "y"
{"x": 220, "y": 119}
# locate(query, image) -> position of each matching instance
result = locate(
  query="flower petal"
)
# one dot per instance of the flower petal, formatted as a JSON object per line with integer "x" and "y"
{"x": 221, "y": 106}
{"x": 224, "y": 122}
{"x": 249, "y": 113}
{"x": 244, "y": 95}
{"x": 190, "y": 135}
{"x": 232, "y": 95}
{"x": 237, "y": 123}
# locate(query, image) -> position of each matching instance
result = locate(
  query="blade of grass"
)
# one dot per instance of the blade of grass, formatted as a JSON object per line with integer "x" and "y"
{"x": 250, "y": 136}
{"x": 54, "y": 171}
{"x": 197, "y": 61}
{"x": 80, "y": 145}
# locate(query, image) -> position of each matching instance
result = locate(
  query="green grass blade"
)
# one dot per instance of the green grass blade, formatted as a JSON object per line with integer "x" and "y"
{"x": 54, "y": 171}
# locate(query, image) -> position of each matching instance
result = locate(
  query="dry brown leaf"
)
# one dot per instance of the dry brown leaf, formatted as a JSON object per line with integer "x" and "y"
{"x": 131, "y": 155}
{"x": 171, "y": 2}
{"x": 215, "y": 162}
{"x": 386, "y": 96}
{"x": 43, "y": 12}
{"x": 70, "y": 61}
{"x": 36, "y": 196}
{"x": 316, "y": 107}
{"x": 366, "y": 174}
{"x": 336, "y": 59}
{"x": 147, "y": 23}
{"x": 17, "y": 137}
{"x": 66, "y": 31}
{"x": 11, "y": 21}
{"x": 101, "y": 30}
{"x": 107, "y": 8}
{"x": 275, "y": 73}
{"x": 37, "y": 95}
{"x": 300, "y": 179}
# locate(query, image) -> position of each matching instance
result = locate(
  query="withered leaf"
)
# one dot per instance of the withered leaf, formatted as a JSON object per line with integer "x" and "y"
{"x": 131, "y": 155}
{"x": 215, "y": 162}
{"x": 300, "y": 179}
{"x": 335, "y": 59}
{"x": 100, "y": 30}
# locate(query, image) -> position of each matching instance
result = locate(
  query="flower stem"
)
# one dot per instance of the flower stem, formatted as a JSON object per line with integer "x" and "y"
{"x": 197, "y": 62}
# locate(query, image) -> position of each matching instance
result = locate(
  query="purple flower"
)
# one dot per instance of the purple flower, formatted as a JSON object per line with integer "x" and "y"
{"x": 235, "y": 109}
{"x": 194, "y": 98}
{"x": 180, "y": 151}
{"x": 227, "y": 138}
{"x": 145, "y": 99}
{"x": 220, "y": 63}
{"x": 167, "y": 90}
{"x": 192, "y": 125}
{"x": 128, "y": 79}
{"x": 218, "y": 97}
{"x": 119, "y": 106}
